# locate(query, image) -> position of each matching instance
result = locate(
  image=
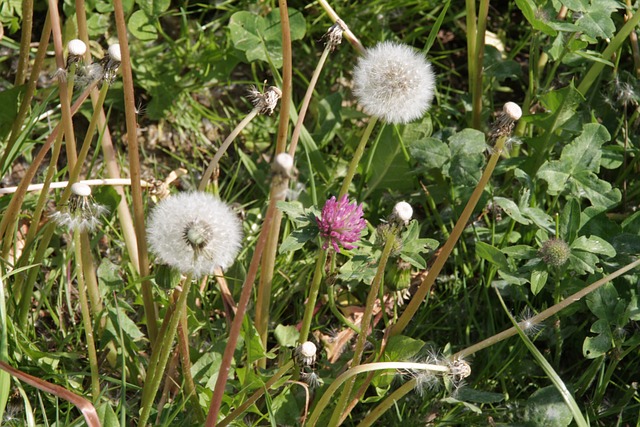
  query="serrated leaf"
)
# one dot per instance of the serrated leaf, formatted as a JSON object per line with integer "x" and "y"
{"x": 430, "y": 153}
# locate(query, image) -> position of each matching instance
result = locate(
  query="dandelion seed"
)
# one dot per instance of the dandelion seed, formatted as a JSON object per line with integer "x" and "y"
{"x": 265, "y": 102}
{"x": 555, "y": 252}
{"x": 394, "y": 82}
{"x": 340, "y": 223}
{"x": 195, "y": 233}
{"x": 89, "y": 74}
{"x": 312, "y": 379}
{"x": 82, "y": 212}
{"x": 527, "y": 324}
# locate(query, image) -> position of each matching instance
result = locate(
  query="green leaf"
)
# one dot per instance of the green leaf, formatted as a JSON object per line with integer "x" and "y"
{"x": 576, "y": 169}
{"x": 287, "y": 336}
{"x": 563, "y": 104}
{"x": 9, "y": 111}
{"x": 107, "y": 416}
{"x": 401, "y": 348}
{"x": 467, "y": 157}
{"x": 141, "y": 26}
{"x": 570, "y": 220}
{"x": 539, "y": 277}
{"x": 594, "y": 245}
{"x": 297, "y": 239}
{"x": 594, "y": 347}
{"x": 469, "y": 394}
{"x": 530, "y": 11}
{"x": 387, "y": 167}
{"x": 430, "y": 153}
{"x": 605, "y": 304}
{"x": 153, "y": 7}
{"x": 120, "y": 318}
{"x": 546, "y": 408}
{"x": 260, "y": 37}
{"x": 596, "y": 20}
{"x": 492, "y": 254}
{"x": 511, "y": 209}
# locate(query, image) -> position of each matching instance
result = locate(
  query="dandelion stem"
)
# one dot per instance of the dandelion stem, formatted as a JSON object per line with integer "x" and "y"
{"x": 357, "y": 155}
{"x": 257, "y": 395}
{"x": 213, "y": 165}
{"x": 543, "y": 315}
{"x": 347, "y": 32}
{"x": 321, "y": 258}
{"x": 234, "y": 333}
{"x": 378, "y": 366}
{"x": 388, "y": 402}
{"x": 438, "y": 264}
{"x": 160, "y": 354}
{"x": 478, "y": 59}
{"x": 86, "y": 317}
{"x": 364, "y": 326}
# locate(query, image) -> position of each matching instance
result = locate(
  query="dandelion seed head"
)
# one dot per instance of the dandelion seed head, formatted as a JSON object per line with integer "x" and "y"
{"x": 305, "y": 353}
{"x": 394, "y": 82}
{"x": 194, "y": 233}
{"x": 81, "y": 213}
{"x": 340, "y": 223}
{"x": 265, "y": 102}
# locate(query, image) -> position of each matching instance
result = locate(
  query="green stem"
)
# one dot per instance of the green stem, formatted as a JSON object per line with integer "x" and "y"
{"x": 365, "y": 325}
{"x": 542, "y": 316}
{"x": 598, "y": 66}
{"x": 160, "y": 354}
{"x": 321, "y": 258}
{"x": 134, "y": 170}
{"x": 478, "y": 59}
{"x": 257, "y": 395}
{"x": 86, "y": 318}
{"x": 347, "y": 32}
{"x": 379, "y": 366}
{"x": 438, "y": 264}
{"x": 357, "y": 155}
{"x": 213, "y": 165}
{"x": 388, "y": 402}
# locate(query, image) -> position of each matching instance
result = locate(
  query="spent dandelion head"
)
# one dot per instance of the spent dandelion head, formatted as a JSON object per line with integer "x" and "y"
{"x": 195, "y": 233}
{"x": 265, "y": 102}
{"x": 340, "y": 223}
{"x": 111, "y": 62}
{"x": 394, "y": 82}
{"x": 333, "y": 37}
{"x": 401, "y": 214}
{"x": 76, "y": 49}
{"x": 305, "y": 353}
{"x": 505, "y": 121}
{"x": 81, "y": 213}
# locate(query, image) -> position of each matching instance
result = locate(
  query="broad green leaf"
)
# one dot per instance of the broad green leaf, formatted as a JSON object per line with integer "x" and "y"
{"x": 401, "y": 348}
{"x": 107, "y": 416}
{"x": 599, "y": 345}
{"x": 467, "y": 157}
{"x": 606, "y": 305}
{"x": 297, "y": 239}
{"x": 546, "y": 408}
{"x": 576, "y": 169}
{"x": 284, "y": 408}
{"x": 520, "y": 251}
{"x": 563, "y": 104}
{"x": 287, "y": 336}
{"x": 570, "y": 220}
{"x": 538, "y": 279}
{"x": 596, "y": 21}
{"x": 430, "y": 153}
{"x": 511, "y": 209}
{"x": 594, "y": 245}
{"x": 122, "y": 321}
{"x": 387, "y": 167}
{"x": 576, "y": 5}
{"x": 141, "y": 26}
{"x": 260, "y": 37}
{"x": 153, "y": 7}
{"x": 469, "y": 394}
{"x": 9, "y": 110}
{"x": 492, "y": 254}
{"x": 529, "y": 9}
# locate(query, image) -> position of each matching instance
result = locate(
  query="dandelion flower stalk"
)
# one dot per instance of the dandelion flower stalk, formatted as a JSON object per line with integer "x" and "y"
{"x": 357, "y": 156}
{"x": 365, "y": 325}
{"x": 86, "y": 317}
{"x": 347, "y": 32}
{"x": 314, "y": 289}
{"x": 438, "y": 264}
{"x": 369, "y": 367}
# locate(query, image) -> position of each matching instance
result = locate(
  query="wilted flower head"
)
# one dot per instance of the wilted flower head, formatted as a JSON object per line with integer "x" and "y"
{"x": 195, "y": 233}
{"x": 333, "y": 37}
{"x": 265, "y": 102}
{"x": 82, "y": 212}
{"x": 340, "y": 223}
{"x": 394, "y": 82}
{"x": 555, "y": 252}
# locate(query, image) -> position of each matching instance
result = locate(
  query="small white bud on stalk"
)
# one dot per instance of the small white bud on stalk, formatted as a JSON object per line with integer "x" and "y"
{"x": 306, "y": 353}
{"x": 402, "y": 213}
{"x": 77, "y": 47}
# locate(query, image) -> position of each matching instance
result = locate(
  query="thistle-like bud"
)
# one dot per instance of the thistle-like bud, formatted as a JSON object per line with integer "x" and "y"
{"x": 82, "y": 212}
{"x": 265, "y": 102}
{"x": 555, "y": 252}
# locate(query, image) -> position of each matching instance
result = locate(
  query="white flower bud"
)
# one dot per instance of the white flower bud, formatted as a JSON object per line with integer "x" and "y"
{"x": 114, "y": 52}
{"x": 283, "y": 163}
{"x": 80, "y": 189}
{"x": 512, "y": 110}
{"x": 308, "y": 349}
{"x": 77, "y": 47}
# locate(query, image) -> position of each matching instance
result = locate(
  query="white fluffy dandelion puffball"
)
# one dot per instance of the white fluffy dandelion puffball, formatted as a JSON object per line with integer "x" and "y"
{"x": 394, "y": 82}
{"x": 195, "y": 233}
